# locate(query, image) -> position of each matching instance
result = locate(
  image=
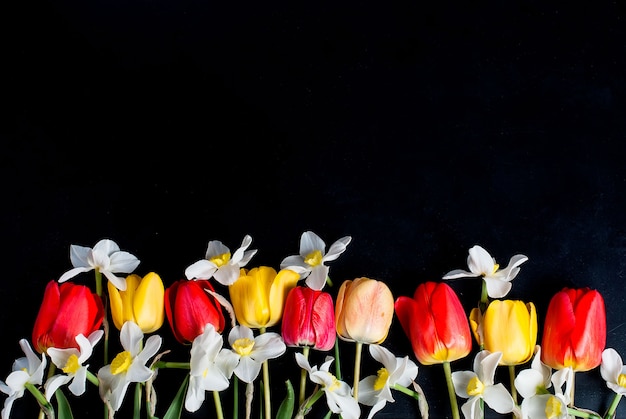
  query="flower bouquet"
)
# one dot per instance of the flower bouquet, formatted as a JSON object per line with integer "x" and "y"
{"x": 101, "y": 340}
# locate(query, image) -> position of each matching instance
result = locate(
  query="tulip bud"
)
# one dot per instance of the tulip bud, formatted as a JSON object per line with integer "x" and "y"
{"x": 141, "y": 302}
{"x": 258, "y": 296}
{"x": 574, "y": 333}
{"x": 309, "y": 319}
{"x": 189, "y": 308}
{"x": 364, "y": 311}
{"x": 435, "y": 323}
{"x": 510, "y": 327}
{"x": 67, "y": 310}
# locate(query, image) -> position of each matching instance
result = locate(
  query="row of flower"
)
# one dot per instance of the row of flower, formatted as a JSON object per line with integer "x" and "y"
{"x": 74, "y": 319}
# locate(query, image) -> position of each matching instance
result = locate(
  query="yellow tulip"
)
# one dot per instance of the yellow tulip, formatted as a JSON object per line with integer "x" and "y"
{"x": 364, "y": 310}
{"x": 259, "y": 295}
{"x": 510, "y": 327}
{"x": 142, "y": 302}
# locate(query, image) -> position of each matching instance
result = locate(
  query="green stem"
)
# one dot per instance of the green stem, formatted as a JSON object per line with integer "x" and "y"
{"x": 41, "y": 399}
{"x": 609, "y": 413}
{"x": 357, "y": 370}
{"x": 337, "y": 360}
{"x": 453, "y": 403}
{"x": 92, "y": 378}
{"x": 575, "y": 412}
{"x": 484, "y": 297}
{"x": 137, "y": 402}
{"x": 179, "y": 365}
{"x": 319, "y": 393}
{"x": 235, "y": 397}
{"x": 266, "y": 386}
{"x": 406, "y": 391}
{"x": 218, "y": 405}
{"x": 512, "y": 378}
{"x": 303, "y": 376}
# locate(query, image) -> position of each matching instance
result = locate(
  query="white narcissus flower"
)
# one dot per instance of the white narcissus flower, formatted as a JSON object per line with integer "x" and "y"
{"x": 613, "y": 371}
{"x": 478, "y": 384}
{"x": 211, "y": 367}
{"x": 551, "y": 406}
{"x": 70, "y": 361}
{"x": 219, "y": 264}
{"x": 128, "y": 366}
{"x": 253, "y": 351}
{"x": 535, "y": 379}
{"x": 106, "y": 257}
{"x": 375, "y": 390}
{"x": 311, "y": 262}
{"x": 480, "y": 263}
{"x": 28, "y": 369}
{"x": 338, "y": 393}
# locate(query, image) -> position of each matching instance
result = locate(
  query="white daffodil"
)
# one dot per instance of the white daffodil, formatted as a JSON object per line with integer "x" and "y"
{"x": 480, "y": 263}
{"x": 551, "y": 406}
{"x": 219, "y": 264}
{"x": 478, "y": 384}
{"x": 311, "y": 262}
{"x": 613, "y": 371}
{"x": 106, "y": 257}
{"x": 253, "y": 351}
{"x": 375, "y": 390}
{"x": 128, "y": 366}
{"x": 534, "y": 380}
{"x": 338, "y": 393}
{"x": 211, "y": 367}
{"x": 70, "y": 361}
{"x": 28, "y": 369}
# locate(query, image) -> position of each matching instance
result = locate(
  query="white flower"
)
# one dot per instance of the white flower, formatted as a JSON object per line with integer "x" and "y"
{"x": 535, "y": 379}
{"x": 478, "y": 384}
{"x": 219, "y": 264}
{"x": 375, "y": 390}
{"x": 128, "y": 366}
{"x": 253, "y": 351}
{"x": 211, "y": 367}
{"x": 70, "y": 361}
{"x": 613, "y": 371}
{"x": 28, "y": 369}
{"x": 310, "y": 263}
{"x": 551, "y": 406}
{"x": 338, "y": 393}
{"x": 480, "y": 263}
{"x": 106, "y": 257}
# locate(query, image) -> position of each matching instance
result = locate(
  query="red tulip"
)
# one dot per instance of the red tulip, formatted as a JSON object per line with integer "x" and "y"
{"x": 189, "y": 308}
{"x": 574, "y": 333}
{"x": 309, "y": 319}
{"x": 435, "y": 323}
{"x": 67, "y": 310}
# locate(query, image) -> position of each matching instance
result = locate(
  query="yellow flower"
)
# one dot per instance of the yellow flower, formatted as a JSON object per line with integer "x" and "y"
{"x": 364, "y": 310}
{"x": 510, "y": 327}
{"x": 142, "y": 302}
{"x": 258, "y": 296}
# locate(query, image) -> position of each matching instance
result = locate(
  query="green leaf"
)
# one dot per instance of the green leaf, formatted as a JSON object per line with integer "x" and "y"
{"x": 286, "y": 407}
{"x": 176, "y": 407}
{"x": 65, "y": 412}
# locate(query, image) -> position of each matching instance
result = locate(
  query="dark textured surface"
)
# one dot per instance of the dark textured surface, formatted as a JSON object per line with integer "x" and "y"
{"x": 418, "y": 130}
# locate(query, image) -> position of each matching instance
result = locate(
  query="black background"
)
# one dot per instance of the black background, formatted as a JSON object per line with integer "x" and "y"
{"x": 420, "y": 130}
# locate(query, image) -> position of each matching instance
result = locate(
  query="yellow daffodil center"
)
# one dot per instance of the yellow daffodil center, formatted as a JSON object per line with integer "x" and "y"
{"x": 621, "y": 380}
{"x": 475, "y": 387}
{"x": 381, "y": 379}
{"x": 121, "y": 363}
{"x": 495, "y": 268}
{"x": 220, "y": 260}
{"x": 553, "y": 408}
{"x": 335, "y": 384}
{"x": 314, "y": 258}
{"x": 243, "y": 346}
{"x": 72, "y": 365}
